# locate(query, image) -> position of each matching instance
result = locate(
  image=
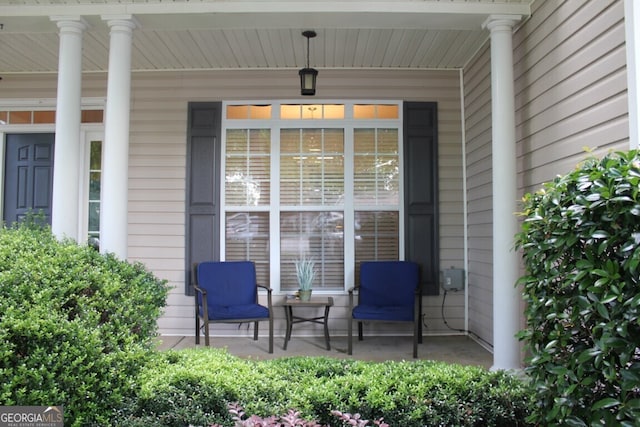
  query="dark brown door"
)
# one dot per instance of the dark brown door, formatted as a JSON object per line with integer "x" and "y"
{"x": 28, "y": 179}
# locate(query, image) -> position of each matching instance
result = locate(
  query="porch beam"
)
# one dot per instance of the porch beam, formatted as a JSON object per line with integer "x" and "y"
{"x": 66, "y": 171}
{"x": 204, "y": 14}
{"x": 506, "y": 298}
{"x": 115, "y": 163}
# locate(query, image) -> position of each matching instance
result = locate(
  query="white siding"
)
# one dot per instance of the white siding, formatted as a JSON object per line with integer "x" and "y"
{"x": 570, "y": 85}
{"x": 157, "y": 168}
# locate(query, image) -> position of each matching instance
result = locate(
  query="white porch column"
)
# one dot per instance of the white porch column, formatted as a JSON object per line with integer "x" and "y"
{"x": 506, "y": 298}
{"x": 632, "y": 21}
{"x": 115, "y": 163}
{"x": 66, "y": 171}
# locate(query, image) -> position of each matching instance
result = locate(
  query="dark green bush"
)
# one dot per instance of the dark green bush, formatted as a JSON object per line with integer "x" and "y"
{"x": 76, "y": 326}
{"x": 201, "y": 382}
{"x": 580, "y": 241}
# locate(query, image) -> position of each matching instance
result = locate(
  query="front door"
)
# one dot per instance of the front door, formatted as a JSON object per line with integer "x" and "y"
{"x": 28, "y": 180}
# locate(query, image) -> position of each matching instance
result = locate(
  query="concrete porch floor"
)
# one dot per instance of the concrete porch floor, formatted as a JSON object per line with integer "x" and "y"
{"x": 452, "y": 349}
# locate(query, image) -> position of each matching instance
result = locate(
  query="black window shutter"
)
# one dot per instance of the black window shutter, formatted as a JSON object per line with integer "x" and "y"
{"x": 203, "y": 189}
{"x": 421, "y": 191}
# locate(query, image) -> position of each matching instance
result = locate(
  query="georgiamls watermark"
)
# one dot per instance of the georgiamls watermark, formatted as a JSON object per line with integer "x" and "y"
{"x": 31, "y": 416}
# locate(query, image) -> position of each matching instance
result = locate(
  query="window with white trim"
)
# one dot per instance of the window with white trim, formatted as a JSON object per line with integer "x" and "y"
{"x": 319, "y": 181}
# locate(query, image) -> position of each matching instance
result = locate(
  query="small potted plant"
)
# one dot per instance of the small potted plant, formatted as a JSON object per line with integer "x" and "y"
{"x": 305, "y": 272}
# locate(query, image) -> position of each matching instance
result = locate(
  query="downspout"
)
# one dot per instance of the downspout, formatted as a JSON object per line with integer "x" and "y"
{"x": 465, "y": 213}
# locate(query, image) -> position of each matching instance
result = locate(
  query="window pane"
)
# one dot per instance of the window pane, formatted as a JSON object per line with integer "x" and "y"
{"x": 237, "y": 111}
{"x": 19, "y": 117}
{"x": 377, "y": 237}
{"x": 94, "y": 218}
{"x": 94, "y": 186}
{"x": 312, "y": 111}
{"x": 289, "y": 111}
{"x": 237, "y": 141}
{"x": 247, "y": 238}
{"x": 375, "y": 111}
{"x": 314, "y": 235}
{"x": 3, "y": 117}
{"x": 44, "y": 117}
{"x": 387, "y": 141}
{"x": 311, "y": 167}
{"x": 334, "y": 111}
{"x": 387, "y": 111}
{"x": 260, "y": 112}
{"x": 376, "y": 167}
{"x": 364, "y": 111}
{"x": 247, "y": 167}
{"x": 95, "y": 160}
{"x": 290, "y": 140}
{"x": 92, "y": 116}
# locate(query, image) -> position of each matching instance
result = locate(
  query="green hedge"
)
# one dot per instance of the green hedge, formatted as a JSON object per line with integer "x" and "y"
{"x": 194, "y": 387}
{"x": 76, "y": 326}
{"x": 581, "y": 244}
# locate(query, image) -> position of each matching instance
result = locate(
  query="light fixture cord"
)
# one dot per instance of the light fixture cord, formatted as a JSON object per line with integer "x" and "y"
{"x": 307, "y": 51}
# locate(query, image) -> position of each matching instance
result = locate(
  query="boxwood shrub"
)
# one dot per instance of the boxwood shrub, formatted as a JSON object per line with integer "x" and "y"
{"x": 193, "y": 387}
{"x": 76, "y": 326}
{"x": 581, "y": 246}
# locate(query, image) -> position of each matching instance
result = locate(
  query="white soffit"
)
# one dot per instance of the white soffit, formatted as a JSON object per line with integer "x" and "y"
{"x": 263, "y": 34}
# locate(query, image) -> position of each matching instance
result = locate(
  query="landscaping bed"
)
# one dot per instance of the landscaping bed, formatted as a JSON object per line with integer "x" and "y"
{"x": 195, "y": 386}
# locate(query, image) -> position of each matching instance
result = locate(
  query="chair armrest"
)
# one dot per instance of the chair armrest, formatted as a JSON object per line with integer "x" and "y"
{"x": 199, "y": 290}
{"x": 267, "y": 288}
{"x": 203, "y": 296}
{"x": 351, "y": 290}
{"x": 269, "y": 291}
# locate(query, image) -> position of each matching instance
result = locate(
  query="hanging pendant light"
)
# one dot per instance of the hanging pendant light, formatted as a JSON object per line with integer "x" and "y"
{"x": 308, "y": 75}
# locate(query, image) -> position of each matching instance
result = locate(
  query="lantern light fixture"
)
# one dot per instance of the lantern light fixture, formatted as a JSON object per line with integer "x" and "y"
{"x": 308, "y": 75}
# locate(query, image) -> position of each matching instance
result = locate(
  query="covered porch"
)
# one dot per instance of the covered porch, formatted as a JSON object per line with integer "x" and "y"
{"x": 459, "y": 349}
{"x": 522, "y": 86}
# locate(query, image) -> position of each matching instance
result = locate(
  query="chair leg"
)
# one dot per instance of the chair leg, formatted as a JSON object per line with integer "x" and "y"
{"x": 416, "y": 328}
{"x": 206, "y": 333}
{"x": 197, "y": 329}
{"x": 255, "y": 331}
{"x": 359, "y": 331}
{"x": 350, "y": 336}
{"x": 270, "y": 335}
{"x": 420, "y": 324}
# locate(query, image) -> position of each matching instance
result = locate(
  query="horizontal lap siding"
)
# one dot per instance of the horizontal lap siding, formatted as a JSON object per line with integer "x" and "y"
{"x": 477, "y": 101}
{"x": 570, "y": 85}
{"x": 157, "y": 158}
{"x": 570, "y": 94}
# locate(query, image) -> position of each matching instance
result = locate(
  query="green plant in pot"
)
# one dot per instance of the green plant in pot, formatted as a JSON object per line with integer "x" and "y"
{"x": 305, "y": 272}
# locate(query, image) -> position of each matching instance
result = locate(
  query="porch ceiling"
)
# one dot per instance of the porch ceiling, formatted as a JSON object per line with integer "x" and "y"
{"x": 257, "y": 34}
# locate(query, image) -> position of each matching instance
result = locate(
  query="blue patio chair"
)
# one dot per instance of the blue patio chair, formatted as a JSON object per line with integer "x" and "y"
{"x": 227, "y": 292}
{"x": 389, "y": 291}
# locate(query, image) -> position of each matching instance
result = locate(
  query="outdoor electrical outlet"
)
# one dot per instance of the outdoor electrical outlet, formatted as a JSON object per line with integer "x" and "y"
{"x": 453, "y": 279}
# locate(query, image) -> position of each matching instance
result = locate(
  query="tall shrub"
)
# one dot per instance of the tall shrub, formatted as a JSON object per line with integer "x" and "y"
{"x": 75, "y": 326}
{"x": 580, "y": 240}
